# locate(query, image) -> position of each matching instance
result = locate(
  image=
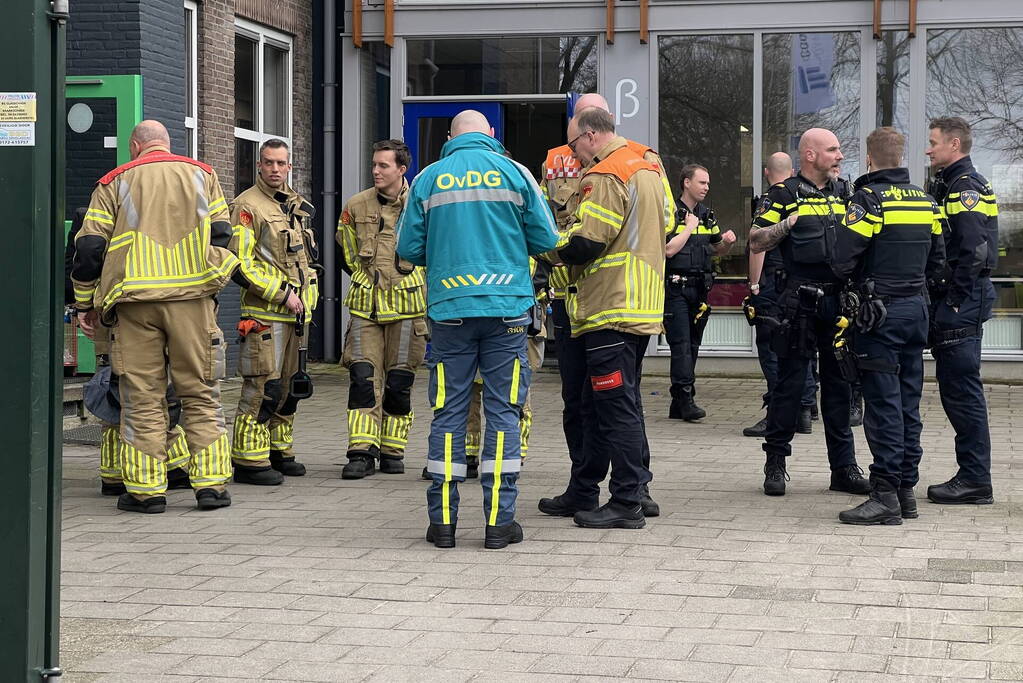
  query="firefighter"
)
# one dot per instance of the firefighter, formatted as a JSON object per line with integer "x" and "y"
{"x": 386, "y": 337}
{"x": 689, "y": 275}
{"x": 890, "y": 244}
{"x": 150, "y": 257}
{"x": 615, "y": 251}
{"x": 809, "y": 211}
{"x": 562, "y": 173}
{"x": 473, "y": 219}
{"x": 273, "y": 238}
{"x": 962, "y": 297}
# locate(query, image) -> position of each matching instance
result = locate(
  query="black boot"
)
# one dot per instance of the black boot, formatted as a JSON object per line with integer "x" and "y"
{"x": 472, "y": 467}
{"x": 391, "y": 464}
{"x": 850, "y": 480}
{"x": 177, "y": 478}
{"x": 426, "y": 475}
{"x": 775, "y": 475}
{"x": 815, "y": 414}
{"x": 360, "y": 464}
{"x": 805, "y": 423}
{"x": 441, "y": 535}
{"x": 881, "y": 508}
{"x": 759, "y": 429}
{"x": 957, "y": 491}
{"x": 260, "y": 476}
{"x": 210, "y": 499}
{"x": 112, "y": 488}
{"x": 856, "y": 408}
{"x": 683, "y": 407}
{"x": 907, "y": 501}
{"x": 286, "y": 464}
{"x": 560, "y": 506}
{"x": 611, "y": 515}
{"x": 497, "y": 537}
{"x": 149, "y": 506}
{"x": 649, "y": 505}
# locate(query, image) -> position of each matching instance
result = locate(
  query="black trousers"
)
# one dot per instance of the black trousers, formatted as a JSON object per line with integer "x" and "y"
{"x": 603, "y": 416}
{"x": 783, "y": 411}
{"x": 681, "y": 304}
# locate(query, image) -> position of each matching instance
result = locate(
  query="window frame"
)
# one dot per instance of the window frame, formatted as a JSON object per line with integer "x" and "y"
{"x": 191, "y": 7}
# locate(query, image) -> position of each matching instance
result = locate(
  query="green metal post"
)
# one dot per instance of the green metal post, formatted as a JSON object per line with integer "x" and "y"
{"x": 32, "y": 194}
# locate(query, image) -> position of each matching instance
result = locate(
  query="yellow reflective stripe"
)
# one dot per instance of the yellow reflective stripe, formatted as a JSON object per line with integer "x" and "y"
{"x": 83, "y": 295}
{"x": 516, "y": 370}
{"x": 983, "y": 207}
{"x": 439, "y": 402}
{"x": 99, "y": 217}
{"x": 217, "y": 205}
{"x": 589, "y": 208}
{"x": 862, "y": 227}
{"x": 445, "y": 493}
{"x": 495, "y": 489}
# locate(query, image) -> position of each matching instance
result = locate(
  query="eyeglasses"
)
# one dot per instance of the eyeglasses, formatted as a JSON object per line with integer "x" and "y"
{"x": 573, "y": 141}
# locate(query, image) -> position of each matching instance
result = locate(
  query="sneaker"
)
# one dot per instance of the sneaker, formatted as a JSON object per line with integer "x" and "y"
{"x": 849, "y": 479}
{"x": 150, "y": 506}
{"x": 611, "y": 515}
{"x": 957, "y": 491}
{"x": 497, "y": 537}
{"x": 560, "y": 506}
{"x": 211, "y": 499}
{"x": 758, "y": 430}
{"x": 258, "y": 476}
{"x": 286, "y": 464}
{"x": 775, "y": 475}
{"x": 441, "y": 535}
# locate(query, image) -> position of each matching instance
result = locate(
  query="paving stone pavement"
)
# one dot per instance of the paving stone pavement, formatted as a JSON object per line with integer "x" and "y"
{"x": 328, "y": 580}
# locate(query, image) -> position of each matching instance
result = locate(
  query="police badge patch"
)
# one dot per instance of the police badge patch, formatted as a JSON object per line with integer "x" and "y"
{"x": 854, "y": 214}
{"x": 969, "y": 198}
{"x": 764, "y": 205}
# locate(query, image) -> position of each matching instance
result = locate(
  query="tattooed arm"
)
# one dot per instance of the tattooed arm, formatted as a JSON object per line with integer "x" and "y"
{"x": 764, "y": 239}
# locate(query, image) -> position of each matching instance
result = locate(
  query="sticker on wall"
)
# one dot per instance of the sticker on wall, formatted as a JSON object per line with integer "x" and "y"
{"x": 18, "y": 134}
{"x": 17, "y": 106}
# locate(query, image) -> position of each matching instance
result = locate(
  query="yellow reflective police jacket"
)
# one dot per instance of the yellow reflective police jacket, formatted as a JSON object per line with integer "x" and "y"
{"x": 616, "y": 246}
{"x": 384, "y": 287}
{"x": 156, "y": 230}
{"x": 273, "y": 238}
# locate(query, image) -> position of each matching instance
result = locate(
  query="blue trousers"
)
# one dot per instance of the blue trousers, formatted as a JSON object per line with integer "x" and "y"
{"x": 496, "y": 348}
{"x": 766, "y": 304}
{"x": 783, "y": 411}
{"x": 957, "y": 368}
{"x": 892, "y": 376}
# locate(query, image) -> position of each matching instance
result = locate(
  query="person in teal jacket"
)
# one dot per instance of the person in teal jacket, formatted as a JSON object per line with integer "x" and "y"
{"x": 473, "y": 219}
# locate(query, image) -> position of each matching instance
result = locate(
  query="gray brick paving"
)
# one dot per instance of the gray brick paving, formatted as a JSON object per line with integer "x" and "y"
{"x": 329, "y": 580}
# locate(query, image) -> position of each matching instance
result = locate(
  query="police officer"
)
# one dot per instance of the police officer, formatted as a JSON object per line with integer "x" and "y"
{"x": 386, "y": 337}
{"x": 150, "y": 256}
{"x": 688, "y": 278}
{"x": 810, "y": 213}
{"x": 616, "y": 301}
{"x": 273, "y": 238}
{"x": 890, "y": 243}
{"x": 763, "y": 301}
{"x": 962, "y": 299}
{"x": 562, "y": 173}
{"x": 473, "y": 219}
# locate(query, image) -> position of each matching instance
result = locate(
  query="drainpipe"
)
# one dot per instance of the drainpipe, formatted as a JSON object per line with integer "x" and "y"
{"x": 329, "y": 213}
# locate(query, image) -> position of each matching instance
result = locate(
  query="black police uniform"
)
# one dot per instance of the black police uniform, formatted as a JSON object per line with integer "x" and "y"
{"x": 809, "y": 304}
{"x": 971, "y": 246}
{"x": 688, "y": 277}
{"x": 889, "y": 245}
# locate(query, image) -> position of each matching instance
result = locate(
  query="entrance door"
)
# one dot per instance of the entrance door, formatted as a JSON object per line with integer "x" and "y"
{"x": 427, "y": 125}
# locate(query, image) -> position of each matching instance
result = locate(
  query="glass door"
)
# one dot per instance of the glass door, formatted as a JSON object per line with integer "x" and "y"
{"x": 427, "y": 125}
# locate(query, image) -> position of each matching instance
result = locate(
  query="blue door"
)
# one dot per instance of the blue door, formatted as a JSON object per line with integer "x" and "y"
{"x": 427, "y": 125}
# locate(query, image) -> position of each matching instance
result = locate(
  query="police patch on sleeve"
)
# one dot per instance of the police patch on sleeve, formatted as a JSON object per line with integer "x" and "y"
{"x": 765, "y": 204}
{"x": 854, "y": 214}
{"x": 969, "y": 198}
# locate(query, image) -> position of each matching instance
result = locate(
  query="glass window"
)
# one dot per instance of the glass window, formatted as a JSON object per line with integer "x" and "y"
{"x": 245, "y": 79}
{"x": 502, "y": 66}
{"x": 375, "y": 66}
{"x": 276, "y": 90}
{"x": 706, "y": 117}
{"x": 191, "y": 80}
{"x": 812, "y": 80}
{"x": 893, "y": 80}
{"x": 245, "y": 164}
{"x": 976, "y": 74}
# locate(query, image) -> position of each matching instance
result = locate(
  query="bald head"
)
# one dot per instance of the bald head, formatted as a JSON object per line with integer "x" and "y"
{"x": 591, "y": 99}
{"x": 820, "y": 156}
{"x": 470, "y": 121}
{"x": 778, "y": 167}
{"x": 146, "y": 135}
